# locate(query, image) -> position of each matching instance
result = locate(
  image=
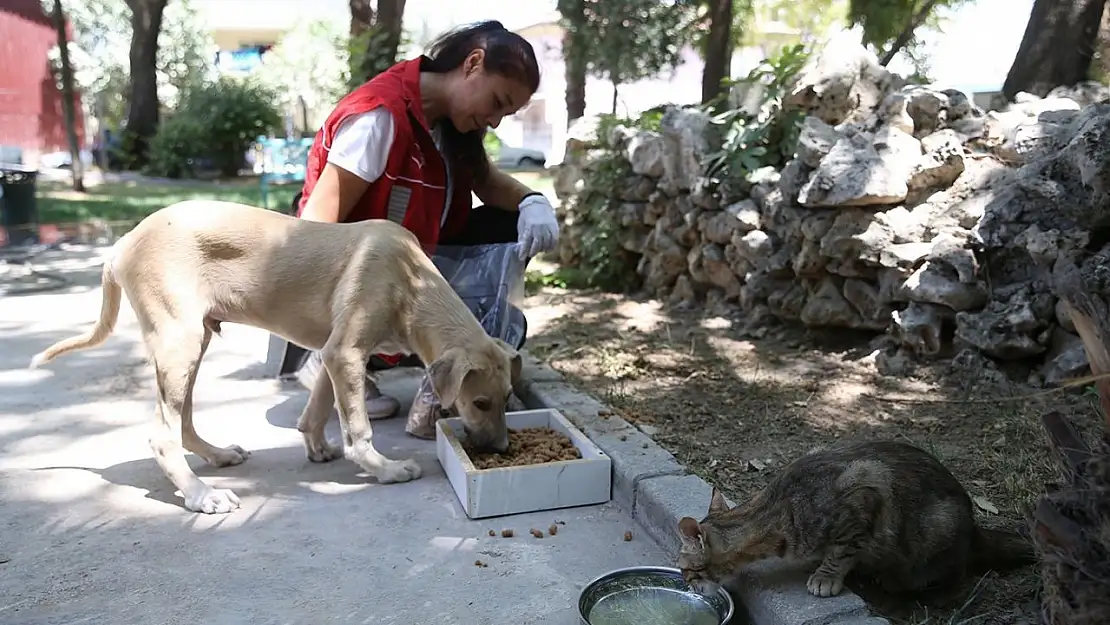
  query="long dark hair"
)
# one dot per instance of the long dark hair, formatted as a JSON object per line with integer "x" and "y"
{"x": 506, "y": 54}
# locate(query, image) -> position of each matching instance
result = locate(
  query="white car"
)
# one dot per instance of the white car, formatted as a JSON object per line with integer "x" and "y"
{"x": 510, "y": 157}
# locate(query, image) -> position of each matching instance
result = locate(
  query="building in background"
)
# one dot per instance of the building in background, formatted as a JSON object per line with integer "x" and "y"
{"x": 245, "y": 29}
{"x": 31, "y": 118}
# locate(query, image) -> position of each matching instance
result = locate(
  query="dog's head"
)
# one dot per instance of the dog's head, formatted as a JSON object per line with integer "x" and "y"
{"x": 478, "y": 381}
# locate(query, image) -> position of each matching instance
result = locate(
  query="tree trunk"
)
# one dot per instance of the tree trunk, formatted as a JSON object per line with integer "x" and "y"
{"x": 143, "y": 106}
{"x": 68, "y": 96}
{"x": 616, "y": 90}
{"x": 378, "y": 36}
{"x": 362, "y": 16}
{"x": 390, "y": 15}
{"x": 718, "y": 52}
{"x": 907, "y": 33}
{"x": 574, "y": 63}
{"x": 1057, "y": 48}
{"x": 1100, "y": 64}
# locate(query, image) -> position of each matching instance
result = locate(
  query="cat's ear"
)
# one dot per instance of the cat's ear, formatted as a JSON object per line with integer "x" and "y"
{"x": 688, "y": 528}
{"x": 689, "y": 533}
{"x": 717, "y": 502}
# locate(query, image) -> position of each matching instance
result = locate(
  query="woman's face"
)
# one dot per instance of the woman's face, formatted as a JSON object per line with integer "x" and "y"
{"x": 480, "y": 98}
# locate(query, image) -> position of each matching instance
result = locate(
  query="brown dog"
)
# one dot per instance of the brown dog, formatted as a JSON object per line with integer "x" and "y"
{"x": 348, "y": 290}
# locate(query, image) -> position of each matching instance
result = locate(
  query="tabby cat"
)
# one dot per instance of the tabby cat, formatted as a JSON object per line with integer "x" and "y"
{"x": 883, "y": 510}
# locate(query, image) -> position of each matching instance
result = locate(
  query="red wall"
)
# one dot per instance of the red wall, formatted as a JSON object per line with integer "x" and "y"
{"x": 30, "y": 104}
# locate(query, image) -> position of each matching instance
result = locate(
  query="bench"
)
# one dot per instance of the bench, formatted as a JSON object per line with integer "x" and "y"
{"x": 280, "y": 161}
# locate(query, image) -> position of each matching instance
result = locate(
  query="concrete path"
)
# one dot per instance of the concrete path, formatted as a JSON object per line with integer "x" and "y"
{"x": 92, "y": 532}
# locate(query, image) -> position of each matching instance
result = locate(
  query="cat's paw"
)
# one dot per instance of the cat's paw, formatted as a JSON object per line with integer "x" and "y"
{"x": 822, "y": 584}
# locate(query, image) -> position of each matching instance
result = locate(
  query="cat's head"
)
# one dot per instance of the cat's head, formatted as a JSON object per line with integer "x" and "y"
{"x": 704, "y": 558}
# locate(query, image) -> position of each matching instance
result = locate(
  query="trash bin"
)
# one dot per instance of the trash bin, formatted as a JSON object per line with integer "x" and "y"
{"x": 19, "y": 213}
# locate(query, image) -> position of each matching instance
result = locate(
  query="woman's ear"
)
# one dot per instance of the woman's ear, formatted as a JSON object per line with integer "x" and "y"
{"x": 473, "y": 62}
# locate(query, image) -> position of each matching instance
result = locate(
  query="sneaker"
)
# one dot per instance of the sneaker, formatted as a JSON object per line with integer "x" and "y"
{"x": 378, "y": 406}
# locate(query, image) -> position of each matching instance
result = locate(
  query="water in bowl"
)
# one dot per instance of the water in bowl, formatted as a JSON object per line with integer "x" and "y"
{"x": 653, "y": 606}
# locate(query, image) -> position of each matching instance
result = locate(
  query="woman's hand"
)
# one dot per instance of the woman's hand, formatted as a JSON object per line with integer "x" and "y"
{"x": 537, "y": 228}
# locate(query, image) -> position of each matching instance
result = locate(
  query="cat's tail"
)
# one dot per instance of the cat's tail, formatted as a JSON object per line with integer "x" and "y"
{"x": 1000, "y": 550}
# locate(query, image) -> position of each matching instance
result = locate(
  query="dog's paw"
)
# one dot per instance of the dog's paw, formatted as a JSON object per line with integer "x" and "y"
{"x": 229, "y": 456}
{"x": 325, "y": 453}
{"x": 824, "y": 585}
{"x": 396, "y": 471}
{"x": 212, "y": 501}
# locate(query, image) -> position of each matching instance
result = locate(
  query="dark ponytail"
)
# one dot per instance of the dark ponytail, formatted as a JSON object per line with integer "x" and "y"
{"x": 506, "y": 54}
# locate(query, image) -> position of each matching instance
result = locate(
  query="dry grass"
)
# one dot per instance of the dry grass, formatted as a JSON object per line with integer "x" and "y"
{"x": 734, "y": 410}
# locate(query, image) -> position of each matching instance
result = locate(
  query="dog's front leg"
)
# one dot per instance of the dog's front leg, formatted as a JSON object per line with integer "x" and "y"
{"x": 314, "y": 419}
{"x": 347, "y": 370}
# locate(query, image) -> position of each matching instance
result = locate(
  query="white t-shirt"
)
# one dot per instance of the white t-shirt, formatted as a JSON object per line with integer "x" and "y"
{"x": 362, "y": 142}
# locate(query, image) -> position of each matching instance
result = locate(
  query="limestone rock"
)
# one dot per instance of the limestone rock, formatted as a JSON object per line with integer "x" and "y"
{"x": 842, "y": 82}
{"x": 936, "y": 283}
{"x": 853, "y": 173}
{"x": 1065, "y": 358}
{"x": 686, "y": 142}
{"x": 919, "y": 327}
{"x": 1010, "y": 329}
{"x": 647, "y": 154}
{"x": 815, "y": 141}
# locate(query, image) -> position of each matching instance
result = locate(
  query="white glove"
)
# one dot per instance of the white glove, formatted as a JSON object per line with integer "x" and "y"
{"x": 537, "y": 229}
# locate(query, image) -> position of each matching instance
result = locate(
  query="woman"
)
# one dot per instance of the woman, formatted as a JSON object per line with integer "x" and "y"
{"x": 407, "y": 146}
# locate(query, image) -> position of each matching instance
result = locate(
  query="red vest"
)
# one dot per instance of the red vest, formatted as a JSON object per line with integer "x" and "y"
{"x": 413, "y": 188}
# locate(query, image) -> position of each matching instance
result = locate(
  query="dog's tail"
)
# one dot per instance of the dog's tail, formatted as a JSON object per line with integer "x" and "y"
{"x": 111, "y": 294}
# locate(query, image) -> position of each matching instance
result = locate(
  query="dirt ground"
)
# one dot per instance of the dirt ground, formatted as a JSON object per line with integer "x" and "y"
{"x": 735, "y": 410}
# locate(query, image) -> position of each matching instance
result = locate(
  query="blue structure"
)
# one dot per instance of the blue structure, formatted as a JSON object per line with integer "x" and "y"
{"x": 281, "y": 161}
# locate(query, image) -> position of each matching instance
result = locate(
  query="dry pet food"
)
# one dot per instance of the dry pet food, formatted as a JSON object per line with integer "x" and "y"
{"x": 554, "y": 529}
{"x": 492, "y": 533}
{"x": 506, "y": 533}
{"x": 535, "y": 532}
{"x": 479, "y": 563}
{"x": 527, "y": 446}
{"x": 627, "y": 536}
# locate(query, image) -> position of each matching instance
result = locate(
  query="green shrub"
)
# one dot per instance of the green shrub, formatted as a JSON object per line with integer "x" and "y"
{"x": 216, "y": 122}
{"x": 770, "y": 136}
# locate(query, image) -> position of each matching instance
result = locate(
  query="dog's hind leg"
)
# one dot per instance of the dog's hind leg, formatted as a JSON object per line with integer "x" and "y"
{"x": 347, "y": 369}
{"x": 314, "y": 419}
{"x": 215, "y": 456}
{"x": 176, "y": 351}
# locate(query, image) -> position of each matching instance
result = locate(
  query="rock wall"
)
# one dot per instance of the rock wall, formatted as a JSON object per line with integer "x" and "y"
{"x": 906, "y": 211}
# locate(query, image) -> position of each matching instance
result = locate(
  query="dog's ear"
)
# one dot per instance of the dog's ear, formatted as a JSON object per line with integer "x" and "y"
{"x": 516, "y": 362}
{"x": 447, "y": 374}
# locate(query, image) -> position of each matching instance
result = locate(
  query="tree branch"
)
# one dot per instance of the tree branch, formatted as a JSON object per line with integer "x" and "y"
{"x": 907, "y": 33}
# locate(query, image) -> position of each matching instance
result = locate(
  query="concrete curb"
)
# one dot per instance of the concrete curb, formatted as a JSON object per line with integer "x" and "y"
{"x": 657, "y": 491}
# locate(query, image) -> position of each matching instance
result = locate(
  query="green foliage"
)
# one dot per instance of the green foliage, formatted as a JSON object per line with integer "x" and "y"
{"x": 176, "y": 148}
{"x": 604, "y": 263}
{"x": 216, "y": 122}
{"x": 770, "y": 135}
{"x": 369, "y": 54}
{"x": 309, "y": 63}
{"x": 492, "y": 143}
{"x": 624, "y": 42}
{"x": 101, "y": 48}
{"x": 884, "y": 21}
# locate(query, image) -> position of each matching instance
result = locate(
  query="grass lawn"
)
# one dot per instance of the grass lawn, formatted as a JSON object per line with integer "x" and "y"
{"x": 133, "y": 200}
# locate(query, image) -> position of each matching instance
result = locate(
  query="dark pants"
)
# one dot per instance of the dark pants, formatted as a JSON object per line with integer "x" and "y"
{"x": 485, "y": 225}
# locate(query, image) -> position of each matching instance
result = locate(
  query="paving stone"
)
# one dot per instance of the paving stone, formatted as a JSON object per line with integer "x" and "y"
{"x": 662, "y": 501}
{"x": 633, "y": 454}
{"x": 774, "y": 593}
